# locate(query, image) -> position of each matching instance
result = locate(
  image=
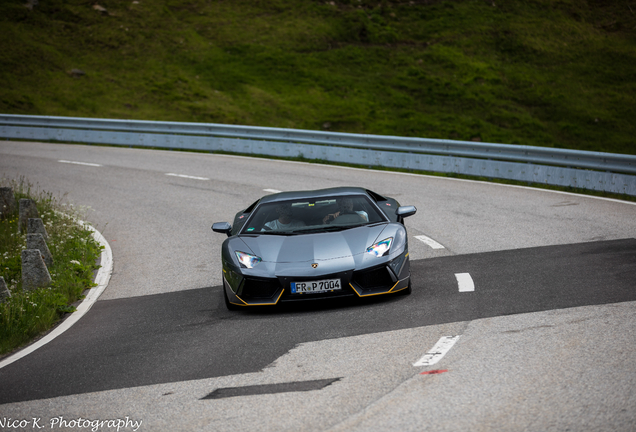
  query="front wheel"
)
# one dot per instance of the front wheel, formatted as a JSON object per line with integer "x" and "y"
{"x": 407, "y": 291}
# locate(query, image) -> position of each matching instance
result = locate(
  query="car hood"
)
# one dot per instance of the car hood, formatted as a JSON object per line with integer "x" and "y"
{"x": 313, "y": 247}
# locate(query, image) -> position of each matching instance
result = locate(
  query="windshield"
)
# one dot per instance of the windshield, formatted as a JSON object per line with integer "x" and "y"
{"x": 311, "y": 216}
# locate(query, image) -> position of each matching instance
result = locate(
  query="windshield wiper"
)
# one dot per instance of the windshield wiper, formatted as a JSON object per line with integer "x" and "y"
{"x": 326, "y": 228}
{"x": 256, "y": 234}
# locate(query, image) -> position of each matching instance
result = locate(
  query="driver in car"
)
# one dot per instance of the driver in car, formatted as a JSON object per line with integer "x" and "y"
{"x": 345, "y": 206}
{"x": 284, "y": 221}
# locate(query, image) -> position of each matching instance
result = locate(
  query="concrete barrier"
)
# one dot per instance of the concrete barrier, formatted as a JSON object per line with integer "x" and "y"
{"x": 4, "y": 291}
{"x": 27, "y": 210}
{"x": 36, "y": 241}
{"x": 35, "y": 274}
{"x": 7, "y": 202}
{"x": 36, "y": 226}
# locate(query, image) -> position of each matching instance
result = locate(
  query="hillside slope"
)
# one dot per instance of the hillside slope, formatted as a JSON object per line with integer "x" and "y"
{"x": 537, "y": 72}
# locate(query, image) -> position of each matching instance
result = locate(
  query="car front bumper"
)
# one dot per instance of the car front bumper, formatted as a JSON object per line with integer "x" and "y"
{"x": 386, "y": 278}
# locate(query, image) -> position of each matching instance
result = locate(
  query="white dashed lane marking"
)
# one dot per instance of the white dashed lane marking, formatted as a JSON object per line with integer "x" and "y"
{"x": 187, "y": 176}
{"x": 271, "y": 190}
{"x": 79, "y": 163}
{"x": 465, "y": 282}
{"x": 437, "y": 352}
{"x": 429, "y": 241}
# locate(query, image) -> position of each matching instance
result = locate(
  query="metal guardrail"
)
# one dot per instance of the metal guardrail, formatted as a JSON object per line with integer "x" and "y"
{"x": 590, "y": 170}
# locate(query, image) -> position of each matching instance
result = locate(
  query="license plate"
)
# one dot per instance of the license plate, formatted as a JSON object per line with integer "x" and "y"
{"x": 315, "y": 286}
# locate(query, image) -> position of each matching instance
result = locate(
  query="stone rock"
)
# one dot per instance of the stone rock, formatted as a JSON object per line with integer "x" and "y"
{"x": 36, "y": 241}
{"x": 36, "y": 226}
{"x": 4, "y": 290}
{"x": 27, "y": 210}
{"x": 76, "y": 73}
{"x": 30, "y": 4}
{"x": 34, "y": 272}
{"x": 100, "y": 9}
{"x": 7, "y": 202}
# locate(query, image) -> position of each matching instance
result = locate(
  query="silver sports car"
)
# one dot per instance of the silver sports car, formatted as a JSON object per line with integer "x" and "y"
{"x": 317, "y": 244}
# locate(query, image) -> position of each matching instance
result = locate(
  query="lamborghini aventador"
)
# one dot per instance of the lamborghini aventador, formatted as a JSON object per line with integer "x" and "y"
{"x": 329, "y": 243}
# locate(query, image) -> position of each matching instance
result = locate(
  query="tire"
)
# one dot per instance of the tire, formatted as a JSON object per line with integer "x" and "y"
{"x": 406, "y": 291}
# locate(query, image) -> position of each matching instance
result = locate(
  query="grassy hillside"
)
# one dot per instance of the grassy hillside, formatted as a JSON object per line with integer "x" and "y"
{"x": 556, "y": 73}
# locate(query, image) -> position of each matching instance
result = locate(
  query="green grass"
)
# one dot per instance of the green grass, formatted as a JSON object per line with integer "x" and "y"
{"x": 26, "y": 314}
{"x": 533, "y": 72}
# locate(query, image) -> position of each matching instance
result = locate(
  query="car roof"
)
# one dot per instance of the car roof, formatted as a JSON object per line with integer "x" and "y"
{"x": 318, "y": 193}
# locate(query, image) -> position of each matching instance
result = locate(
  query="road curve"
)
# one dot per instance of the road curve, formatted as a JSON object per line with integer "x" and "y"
{"x": 545, "y": 324}
{"x": 102, "y": 277}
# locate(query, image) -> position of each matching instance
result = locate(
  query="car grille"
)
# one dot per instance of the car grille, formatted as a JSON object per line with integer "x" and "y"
{"x": 259, "y": 288}
{"x": 374, "y": 278}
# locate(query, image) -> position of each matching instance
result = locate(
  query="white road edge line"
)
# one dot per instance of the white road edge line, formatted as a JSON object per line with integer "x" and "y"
{"x": 80, "y": 163}
{"x": 437, "y": 352}
{"x": 272, "y": 190}
{"x": 102, "y": 279}
{"x": 187, "y": 176}
{"x": 465, "y": 282}
{"x": 430, "y": 242}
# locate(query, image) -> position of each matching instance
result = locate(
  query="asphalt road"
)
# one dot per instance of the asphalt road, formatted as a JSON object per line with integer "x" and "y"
{"x": 546, "y": 337}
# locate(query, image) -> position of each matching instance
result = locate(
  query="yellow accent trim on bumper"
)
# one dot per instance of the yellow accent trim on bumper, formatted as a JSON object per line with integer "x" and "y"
{"x": 401, "y": 289}
{"x": 354, "y": 290}
{"x": 228, "y": 284}
{"x": 261, "y": 304}
{"x": 253, "y": 304}
{"x": 381, "y": 293}
{"x": 391, "y": 290}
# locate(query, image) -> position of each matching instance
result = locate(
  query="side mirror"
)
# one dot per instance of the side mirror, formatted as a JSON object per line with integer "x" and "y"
{"x": 222, "y": 227}
{"x": 405, "y": 211}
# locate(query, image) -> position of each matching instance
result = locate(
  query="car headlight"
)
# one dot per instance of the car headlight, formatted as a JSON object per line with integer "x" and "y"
{"x": 247, "y": 260}
{"x": 381, "y": 248}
